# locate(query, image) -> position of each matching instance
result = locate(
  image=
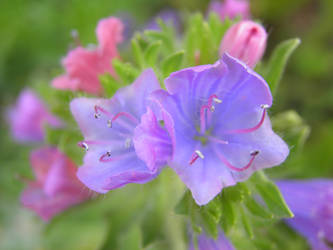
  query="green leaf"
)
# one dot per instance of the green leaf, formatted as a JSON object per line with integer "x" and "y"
{"x": 228, "y": 219}
{"x": 172, "y": 63}
{"x": 125, "y": 71}
{"x": 278, "y": 62}
{"x": 256, "y": 209}
{"x": 151, "y": 53}
{"x": 271, "y": 195}
{"x": 138, "y": 53}
{"x": 110, "y": 85}
{"x": 132, "y": 239}
{"x": 246, "y": 222}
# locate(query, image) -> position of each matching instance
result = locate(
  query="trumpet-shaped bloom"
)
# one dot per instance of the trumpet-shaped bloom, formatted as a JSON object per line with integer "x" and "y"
{"x": 83, "y": 66}
{"x": 246, "y": 41}
{"x": 218, "y": 123}
{"x": 207, "y": 243}
{"x": 28, "y": 117}
{"x": 115, "y": 137}
{"x": 312, "y": 204}
{"x": 231, "y": 9}
{"x": 56, "y": 187}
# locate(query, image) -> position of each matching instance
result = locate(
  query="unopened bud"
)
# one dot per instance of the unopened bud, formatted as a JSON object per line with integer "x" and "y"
{"x": 245, "y": 41}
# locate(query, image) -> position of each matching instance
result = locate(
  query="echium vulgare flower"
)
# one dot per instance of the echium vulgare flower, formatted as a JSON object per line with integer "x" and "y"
{"x": 218, "y": 124}
{"x": 56, "y": 187}
{"x": 83, "y": 65}
{"x": 28, "y": 117}
{"x": 115, "y": 137}
{"x": 230, "y": 8}
{"x": 312, "y": 204}
{"x": 207, "y": 243}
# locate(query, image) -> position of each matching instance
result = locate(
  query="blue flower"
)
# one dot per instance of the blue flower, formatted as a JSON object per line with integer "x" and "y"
{"x": 312, "y": 203}
{"x": 217, "y": 119}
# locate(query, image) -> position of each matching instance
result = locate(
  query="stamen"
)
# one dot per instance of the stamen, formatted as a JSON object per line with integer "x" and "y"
{"x": 232, "y": 167}
{"x": 249, "y": 130}
{"x": 106, "y": 155}
{"x": 128, "y": 115}
{"x": 213, "y": 139}
{"x": 97, "y": 114}
{"x": 84, "y": 145}
{"x": 195, "y": 156}
{"x": 115, "y": 117}
{"x": 209, "y": 106}
{"x": 217, "y": 100}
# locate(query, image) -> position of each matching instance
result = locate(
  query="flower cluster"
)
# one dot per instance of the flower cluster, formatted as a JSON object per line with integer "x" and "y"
{"x": 215, "y": 132}
{"x": 210, "y": 124}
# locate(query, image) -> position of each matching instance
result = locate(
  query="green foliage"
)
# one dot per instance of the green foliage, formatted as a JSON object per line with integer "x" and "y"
{"x": 142, "y": 217}
{"x": 237, "y": 208}
{"x": 278, "y": 61}
{"x": 202, "y": 39}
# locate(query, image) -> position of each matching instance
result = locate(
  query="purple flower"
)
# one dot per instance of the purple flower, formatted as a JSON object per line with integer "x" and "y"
{"x": 56, "y": 187}
{"x": 207, "y": 243}
{"x": 168, "y": 16}
{"x": 231, "y": 9}
{"x": 28, "y": 117}
{"x": 312, "y": 203}
{"x": 219, "y": 127}
{"x": 114, "y": 137}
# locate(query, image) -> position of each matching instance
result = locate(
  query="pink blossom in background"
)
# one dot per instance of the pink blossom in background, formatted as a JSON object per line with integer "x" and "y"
{"x": 245, "y": 41}
{"x": 56, "y": 187}
{"x": 28, "y": 116}
{"x": 230, "y": 9}
{"x": 83, "y": 66}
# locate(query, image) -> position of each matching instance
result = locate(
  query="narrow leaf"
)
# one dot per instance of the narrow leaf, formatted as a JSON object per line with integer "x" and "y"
{"x": 278, "y": 62}
{"x": 272, "y": 196}
{"x": 172, "y": 63}
{"x": 151, "y": 53}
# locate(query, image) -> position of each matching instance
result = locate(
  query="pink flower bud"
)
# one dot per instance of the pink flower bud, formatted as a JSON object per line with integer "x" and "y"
{"x": 246, "y": 41}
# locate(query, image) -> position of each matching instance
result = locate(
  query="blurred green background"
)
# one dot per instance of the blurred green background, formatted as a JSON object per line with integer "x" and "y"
{"x": 35, "y": 35}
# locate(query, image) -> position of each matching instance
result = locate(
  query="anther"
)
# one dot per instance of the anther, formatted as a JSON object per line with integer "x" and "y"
{"x": 254, "y": 153}
{"x": 212, "y": 108}
{"x": 106, "y": 157}
{"x": 195, "y": 156}
{"x": 264, "y": 106}
{"x": 198, "y": 152}
{"x": 217, "y": 100}
{"x": 83, "y": 145}
{"x": 109, "y": 123}
{"x": 97, "y": 115}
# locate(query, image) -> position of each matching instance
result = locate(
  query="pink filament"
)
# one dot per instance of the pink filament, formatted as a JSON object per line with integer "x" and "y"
{"x": 128, "y": 115}
{"x": 232, "y": 167}
{"x": 102, "y": 158}
{"x": 98, "y": 108}
{"x": 248, "y": 130}
{"x": 194, "y": 157}
{"x": 217, "y": 140}
{"x": 115, "y": 117}
{"x": 203, "y": 114}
